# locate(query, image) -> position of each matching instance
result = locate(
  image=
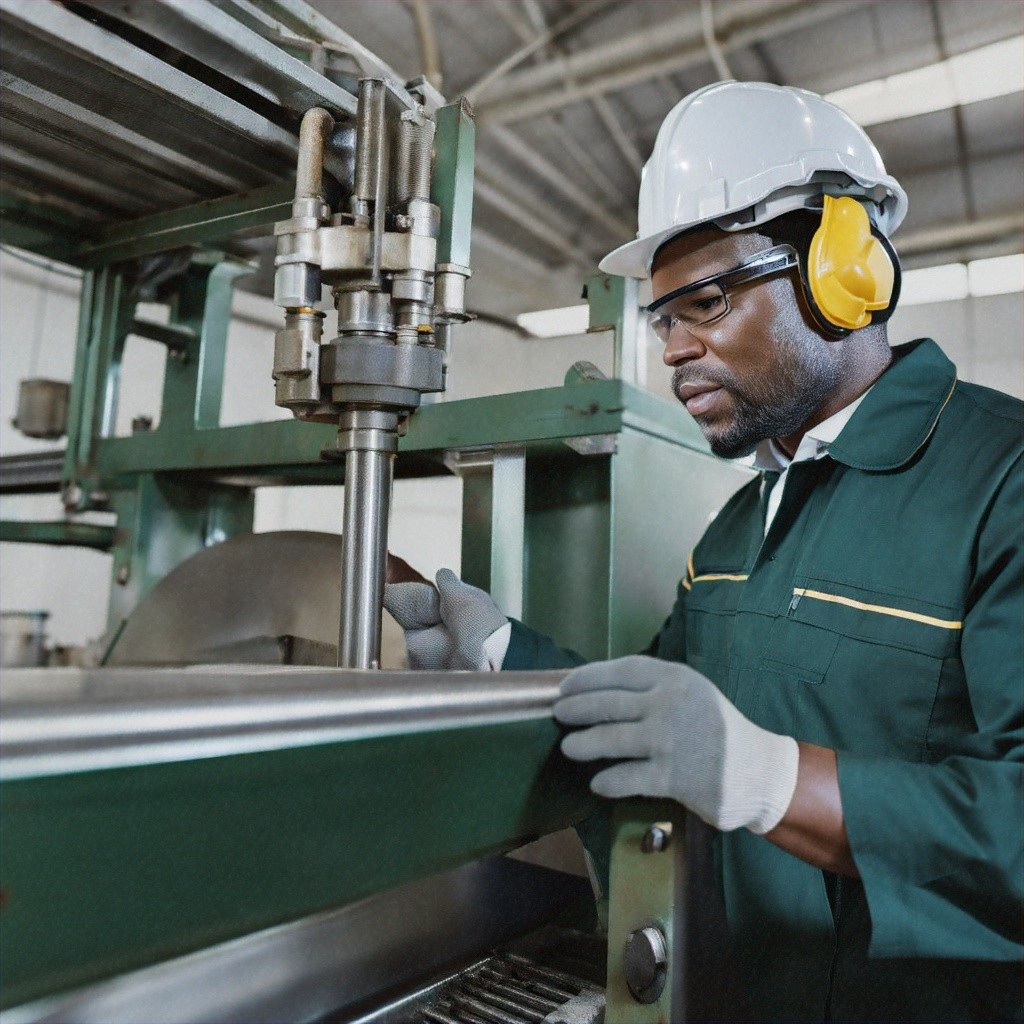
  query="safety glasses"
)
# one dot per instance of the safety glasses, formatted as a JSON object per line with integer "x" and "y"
{"x": 706, "y": 301}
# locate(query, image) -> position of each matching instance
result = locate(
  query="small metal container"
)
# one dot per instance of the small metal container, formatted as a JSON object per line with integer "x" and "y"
{"x": 42, "y": 408}
{"x": 23, "y": 639}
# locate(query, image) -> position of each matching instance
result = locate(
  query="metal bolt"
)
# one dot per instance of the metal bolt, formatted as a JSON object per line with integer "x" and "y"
{"x": 123, "y": 575}
{"x": 645, "y": 962}
{"x": 657, "y": 837}
{"x": 72, "y": 497}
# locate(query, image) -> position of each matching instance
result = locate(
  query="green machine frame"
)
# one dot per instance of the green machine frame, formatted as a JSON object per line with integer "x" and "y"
{"x": 565, "y": 490}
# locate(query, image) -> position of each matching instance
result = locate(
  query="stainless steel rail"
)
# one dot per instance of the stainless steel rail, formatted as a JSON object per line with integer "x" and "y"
{"x": 27, "y": 474}
{"x": 65, "y": 720}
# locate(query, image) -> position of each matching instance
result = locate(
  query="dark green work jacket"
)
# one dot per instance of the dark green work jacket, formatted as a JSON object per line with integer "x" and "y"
{"x": 882, "y": 616}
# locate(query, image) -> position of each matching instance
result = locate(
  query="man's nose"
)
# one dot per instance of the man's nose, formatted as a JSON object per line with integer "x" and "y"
{"x": 681, "y": 346}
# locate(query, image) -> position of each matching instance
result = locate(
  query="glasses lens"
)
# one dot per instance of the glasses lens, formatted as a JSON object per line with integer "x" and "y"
{"x": 694, "y": 309}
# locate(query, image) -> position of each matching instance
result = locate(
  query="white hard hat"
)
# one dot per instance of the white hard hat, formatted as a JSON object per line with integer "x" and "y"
{"x": 737, "y": 154}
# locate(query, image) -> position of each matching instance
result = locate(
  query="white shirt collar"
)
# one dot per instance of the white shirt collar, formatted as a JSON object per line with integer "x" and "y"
{"x": 813, "y": 445}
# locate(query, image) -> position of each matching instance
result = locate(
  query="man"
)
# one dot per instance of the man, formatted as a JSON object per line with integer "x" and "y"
{"x": 838, "y": 688}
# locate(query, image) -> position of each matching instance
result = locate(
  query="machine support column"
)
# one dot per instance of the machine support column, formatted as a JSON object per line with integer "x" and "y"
{"x": 646, "y": 914}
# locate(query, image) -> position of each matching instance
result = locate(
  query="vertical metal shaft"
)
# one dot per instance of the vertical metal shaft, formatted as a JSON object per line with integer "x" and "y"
{"x": 317, "y": 125}
{"x": 370, "y": 441}
{"x": 370, "y": 139}
{"x": 420, "y": 142}
{"x": 371, "y": 181}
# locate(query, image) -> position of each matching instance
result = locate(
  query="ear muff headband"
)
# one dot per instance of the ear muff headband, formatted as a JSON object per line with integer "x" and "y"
{"x": 852, "y": 273}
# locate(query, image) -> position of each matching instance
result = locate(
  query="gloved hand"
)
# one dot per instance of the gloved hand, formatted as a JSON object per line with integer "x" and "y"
{"x": 684, "y": 739}
{"x": 444, "y": 628}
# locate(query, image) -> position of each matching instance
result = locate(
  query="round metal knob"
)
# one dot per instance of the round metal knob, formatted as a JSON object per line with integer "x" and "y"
{"x": 646, "y": 963}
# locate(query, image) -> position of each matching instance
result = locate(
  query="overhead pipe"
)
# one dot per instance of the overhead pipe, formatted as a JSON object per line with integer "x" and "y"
{"x": 950, "y": 236}
{"x": 568, "y": 189}
{"x": 315, "y": 130}
{"x": 707, "y": 24}
{"x": 429, "y": 46}
{"x": 516, "y": 58}
{"x": 670, "y": 48}
{"x": 624, "y": 144}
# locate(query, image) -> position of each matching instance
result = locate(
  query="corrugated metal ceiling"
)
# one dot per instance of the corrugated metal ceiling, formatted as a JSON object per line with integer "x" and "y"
{"x": 117, "y": 109}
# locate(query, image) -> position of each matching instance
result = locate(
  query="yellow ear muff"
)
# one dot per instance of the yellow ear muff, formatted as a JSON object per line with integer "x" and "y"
{"x": 849, "y": 272}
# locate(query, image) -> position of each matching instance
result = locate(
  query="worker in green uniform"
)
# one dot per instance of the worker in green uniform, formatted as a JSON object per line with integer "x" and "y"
{"x": 838, "y": 687}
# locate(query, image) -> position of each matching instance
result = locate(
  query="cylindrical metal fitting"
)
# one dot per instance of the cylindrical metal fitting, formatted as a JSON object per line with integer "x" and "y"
{"x": 297, "y": 285}
{"x": 369, "y": 138}
{"x": 315, "y": 130}
{"x": 297, "y": 359}
{"x": 399, "y": 169}
{"x": 450, "y": 295}
{"x": 424, "y": 217}
{"x": 413, "y": 286}
{"x": 370, "y": 430}
{"x": 364, "y": 311}
{"x": 368, "y": 473}
{"x": 421, "y": 140}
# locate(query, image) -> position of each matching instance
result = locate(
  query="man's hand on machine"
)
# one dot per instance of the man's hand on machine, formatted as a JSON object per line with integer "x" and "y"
{"x": 446, "y": 627}
{"x": 675, "y": 735}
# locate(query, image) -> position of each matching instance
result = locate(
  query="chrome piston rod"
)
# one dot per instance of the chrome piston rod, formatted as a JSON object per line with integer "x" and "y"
{"x": 369, "y": 439}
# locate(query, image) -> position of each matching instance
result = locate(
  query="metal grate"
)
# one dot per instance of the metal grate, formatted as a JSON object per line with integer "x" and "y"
{"x": 512, "y": 989}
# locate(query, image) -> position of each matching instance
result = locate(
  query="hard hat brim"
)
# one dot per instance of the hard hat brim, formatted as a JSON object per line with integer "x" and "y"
{"x": 634, "y": 259}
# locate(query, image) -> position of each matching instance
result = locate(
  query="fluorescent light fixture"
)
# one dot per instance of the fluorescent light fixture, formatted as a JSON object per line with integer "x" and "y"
{"x": 996, "y": 276}
{"x": 556, "y": 323}
{"x": 1001, "y": 275}
{"x": 981, "y": 74}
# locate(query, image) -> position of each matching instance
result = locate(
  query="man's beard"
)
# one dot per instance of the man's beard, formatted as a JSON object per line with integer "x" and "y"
{"x": 774, "y": 404}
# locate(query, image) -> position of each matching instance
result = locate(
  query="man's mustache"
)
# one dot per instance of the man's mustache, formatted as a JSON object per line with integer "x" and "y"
{"x": 680, "y": 377}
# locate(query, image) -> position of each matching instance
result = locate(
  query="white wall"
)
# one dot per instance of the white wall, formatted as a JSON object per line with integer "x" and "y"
{"x": 983, "y": 336}
{"x": 72, "y": 584}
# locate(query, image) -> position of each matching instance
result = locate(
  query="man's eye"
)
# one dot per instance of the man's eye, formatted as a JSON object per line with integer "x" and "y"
{"x": 706, "y": 305}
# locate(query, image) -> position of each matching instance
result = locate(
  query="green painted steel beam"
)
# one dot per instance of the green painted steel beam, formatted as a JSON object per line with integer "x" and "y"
{"x": 108, "y": 870}
{"x": 53, "y": 233}
{"x": 245, "y": 447}
{"x": 200, "y": 224}
{"x": 647, "y": 887}
{"x": 543, "y": 417}
{"x": 82, "y": 535}
{"x": 39, "y": 228}
{"x": 452, "y": 187}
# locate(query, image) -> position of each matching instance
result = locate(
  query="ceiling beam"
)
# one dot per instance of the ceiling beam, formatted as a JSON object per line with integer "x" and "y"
{"x": 625, "y": 145}
{"x": 568, "y": 189}
{"x": 1007, "y": 226}
{"x": 530, "y": 220}
{"x": 671, "y": 45}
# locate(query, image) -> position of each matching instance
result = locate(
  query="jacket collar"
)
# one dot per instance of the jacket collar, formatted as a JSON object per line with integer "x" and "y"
{"x": 899, "y": 413}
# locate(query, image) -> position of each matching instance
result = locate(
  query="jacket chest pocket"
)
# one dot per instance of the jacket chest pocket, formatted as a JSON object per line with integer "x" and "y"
{"x": 710, "y": 617}
{"x": 856, "y": 669}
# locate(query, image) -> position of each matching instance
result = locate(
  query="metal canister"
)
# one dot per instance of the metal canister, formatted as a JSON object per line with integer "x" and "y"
{"x": 23, "y": 639}
{"x": 42, "y": 408}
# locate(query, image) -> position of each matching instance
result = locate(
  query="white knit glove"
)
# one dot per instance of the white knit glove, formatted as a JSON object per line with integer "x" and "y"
{"x": 444, "y": 628}
{"x": 684, "y": 741}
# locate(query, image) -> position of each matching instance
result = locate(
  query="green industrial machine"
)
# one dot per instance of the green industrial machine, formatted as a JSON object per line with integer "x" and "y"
{"x": 259, "y": 797}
